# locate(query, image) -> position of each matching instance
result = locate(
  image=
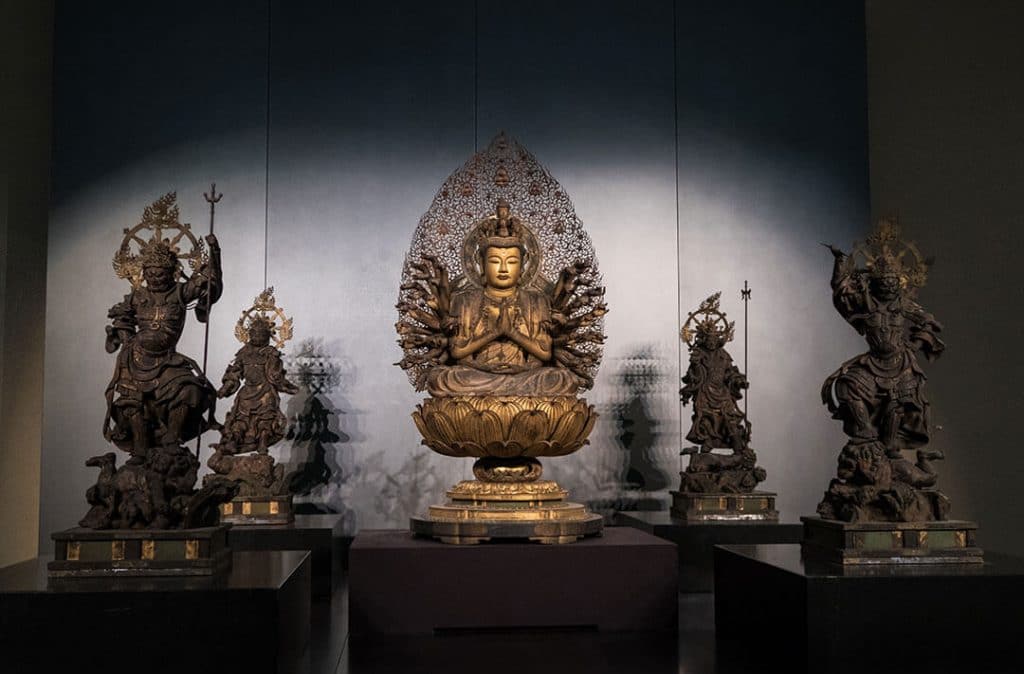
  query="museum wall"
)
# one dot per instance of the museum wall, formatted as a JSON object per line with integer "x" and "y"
{"x": 26, "y": 33}
{"x": 947, "y": 153}
{"x": 703, "y": 144}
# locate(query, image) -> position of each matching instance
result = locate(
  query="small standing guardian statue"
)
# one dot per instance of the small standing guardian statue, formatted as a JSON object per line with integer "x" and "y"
{"x": 883, "y": 506}
{"x": 717, "y": 486}
{"x": 257, "y": 378}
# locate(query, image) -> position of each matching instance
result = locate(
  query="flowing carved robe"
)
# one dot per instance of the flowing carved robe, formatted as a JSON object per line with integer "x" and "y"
{"x": 150, "y": 377}
{"x": 888, "y": 377}
{"x": 256, "y": 412}
{"x": 715, "y": 384}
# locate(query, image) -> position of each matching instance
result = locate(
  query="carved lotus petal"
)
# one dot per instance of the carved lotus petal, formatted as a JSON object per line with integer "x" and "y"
{"x": 468, "y": 449}
{"x": 484, "y": 427}
{"x": 458, "y": 412}
{"x": 530, "y": 426}
{"x": 417, "y": 418}
{"x": 440, "y": 427}
{"x": 507, "y": 409}
{"x": 546, "y": 407}
{"x": 568, "y": 428}
{"x": 504, "y": 449}
{"x": 505, "y": 426}
{"x": 542, "y": 448}
{"x": 447, "y": 450}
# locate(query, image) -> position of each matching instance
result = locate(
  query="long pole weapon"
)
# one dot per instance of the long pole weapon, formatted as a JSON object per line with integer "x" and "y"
{"x": 745, "y": 294}
{"x": 211, "y": 198}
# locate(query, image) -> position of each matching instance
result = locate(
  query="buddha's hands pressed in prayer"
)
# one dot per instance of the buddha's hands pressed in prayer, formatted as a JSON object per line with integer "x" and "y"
{"x": 505, "y": 325}
{"x": 508, "y": 320}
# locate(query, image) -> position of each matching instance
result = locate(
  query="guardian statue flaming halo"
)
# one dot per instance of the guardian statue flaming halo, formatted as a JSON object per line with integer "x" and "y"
{"x": 501, "y": 321}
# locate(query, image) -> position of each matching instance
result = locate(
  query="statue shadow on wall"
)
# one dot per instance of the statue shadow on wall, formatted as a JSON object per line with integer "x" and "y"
{"x": 626, "y": 475}
{"x": 319, "y": 456}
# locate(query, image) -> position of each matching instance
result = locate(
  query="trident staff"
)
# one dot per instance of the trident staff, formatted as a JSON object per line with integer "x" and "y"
{"x": 745, "y": 294}
{"x": 212, "y": 197}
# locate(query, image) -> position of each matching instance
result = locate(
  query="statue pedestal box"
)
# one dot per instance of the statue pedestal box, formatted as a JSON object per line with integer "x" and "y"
{"x": 850, "y": 543}
{"x": 703, "y": 507}
{"x": 623, "y": 580}
{"x": 322, "y": 535}
{"x": 776, "y": 610}
{"x": 696, "y": 540}
{"x": 246, "y": 510}
{"x": 253, "y": 619}
{"x": 89, "y": 553}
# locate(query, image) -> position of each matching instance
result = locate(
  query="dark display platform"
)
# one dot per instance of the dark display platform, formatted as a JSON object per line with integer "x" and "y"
{"x": 778, "y": 610}
{"x": 255, "y": 619}
{"x": 696, "y": 540}
{"x": 623, "y": 580}
{"x": 322, "y": 535}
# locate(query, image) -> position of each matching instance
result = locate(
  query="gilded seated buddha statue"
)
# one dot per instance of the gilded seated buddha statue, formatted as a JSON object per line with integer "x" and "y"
{"x": 500, "y": 319}
{"x": 500, "y": 332}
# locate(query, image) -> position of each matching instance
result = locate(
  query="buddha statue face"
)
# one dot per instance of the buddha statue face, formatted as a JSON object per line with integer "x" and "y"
{"x": 502, "y": 267}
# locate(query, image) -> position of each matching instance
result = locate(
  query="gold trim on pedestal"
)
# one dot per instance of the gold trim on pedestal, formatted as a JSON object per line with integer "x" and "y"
{"x": 561, "y": 511}
{"x": 477, "y": 490}
{"x": 479, "y": 511}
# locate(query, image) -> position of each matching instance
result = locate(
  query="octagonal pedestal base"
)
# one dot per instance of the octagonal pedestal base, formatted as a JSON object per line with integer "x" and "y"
{"x": 480, "y": 511}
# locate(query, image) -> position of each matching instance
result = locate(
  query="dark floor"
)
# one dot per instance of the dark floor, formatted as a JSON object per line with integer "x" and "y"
{"x": 692, "y": 651}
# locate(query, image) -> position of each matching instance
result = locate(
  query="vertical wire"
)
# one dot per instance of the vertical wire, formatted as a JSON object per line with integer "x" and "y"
{"x": 476, "y": 76}
{"x": 675, "y": 122}
{"x": 266, "y": 159}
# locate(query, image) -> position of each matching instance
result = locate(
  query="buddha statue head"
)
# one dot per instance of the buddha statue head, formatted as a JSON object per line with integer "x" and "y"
{"x": 502, "y": 251}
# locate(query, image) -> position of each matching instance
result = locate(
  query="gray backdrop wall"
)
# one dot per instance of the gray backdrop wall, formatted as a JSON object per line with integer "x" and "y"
{"x": 371, "y": 106}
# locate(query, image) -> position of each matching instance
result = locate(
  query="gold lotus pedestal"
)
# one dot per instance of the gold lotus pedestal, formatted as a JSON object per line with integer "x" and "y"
{"x": 507, "y": 500}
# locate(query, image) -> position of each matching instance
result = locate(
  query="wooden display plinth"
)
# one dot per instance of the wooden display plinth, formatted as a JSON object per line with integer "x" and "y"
{"x": 702, "y": 507}
{"x": 90, "y": 553}
{"x": 324, "y": 535}
{"x": 828, "y": 618}
{"x": 696, "y": 540}
{"x": 623, "y": 580}
{"x": 243, "y": 510}
{"x": 946, "y": 542}
{"x": 254, "y": 619}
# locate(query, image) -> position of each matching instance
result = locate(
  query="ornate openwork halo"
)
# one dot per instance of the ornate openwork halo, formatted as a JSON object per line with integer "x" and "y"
{"x": 471, "y": 258}
{"x": 265, "y": 307}
{"x": 885, "y": 250}
{"x": 708, "y": 318}
{"x": 158, "y": 219}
